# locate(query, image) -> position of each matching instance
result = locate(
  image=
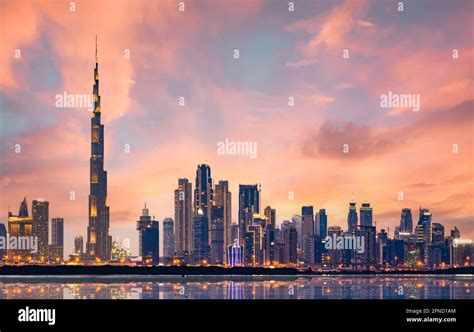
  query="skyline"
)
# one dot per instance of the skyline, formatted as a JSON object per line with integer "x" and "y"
{"x": 443, "y": 181}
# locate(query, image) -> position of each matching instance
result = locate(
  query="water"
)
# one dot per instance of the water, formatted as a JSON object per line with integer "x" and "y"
{"x": 225, "y": 287}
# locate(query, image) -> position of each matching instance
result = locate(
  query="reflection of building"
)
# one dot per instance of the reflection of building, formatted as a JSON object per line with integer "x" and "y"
{"x": 168, "y": 240}
{"x": 40, "y": 213}
{"x": 183, "y": 214}
{"x": 20, "y": 225}
{"x": 235, "y": 254}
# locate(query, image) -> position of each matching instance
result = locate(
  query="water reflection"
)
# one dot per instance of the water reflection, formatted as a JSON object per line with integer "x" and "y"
{"x": 330, "y": 287}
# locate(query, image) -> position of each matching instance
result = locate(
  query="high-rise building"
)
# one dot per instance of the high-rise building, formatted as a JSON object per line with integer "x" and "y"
{"x": 204, "y": 193}
{"x": 56, "y": 249}
{"x": 40, "y": 213}
{"x": 352, "y": 220}
{"x": 217, "y": 235}
{"x": 234, "y": 232}
{"x": 270, "y": 245}
{"x": 201, "y": 238}
{"x": 297, "y": 221}
{"x": 20, "y": 225}
{"x": 142, "y": 223}
{"x": 183, "y": 217}
{"x": 321, "y": 229}
{"x": 57, "y": 231}
{"x": 99, "y": 242}
{"x": 437, "y": 234}
{"x": 151, "y": 243}
{"x": 271, "y": 215}
{"x": 256, "y": 229}
{"x": 308, "y": 234}
{"x": 249, "y": 203}
{"x": 423, "y": 233}
{"x": 168, "y": 240}
{"x": 406, "y": 221}
{"x": 223, "y": 198}
{"x": 3, "y": 234}
{"x": 78, "y": 245}
{"x": 290, "y": 238}
{"x": 366, "y": 214}
{"x": 461, "y": 252}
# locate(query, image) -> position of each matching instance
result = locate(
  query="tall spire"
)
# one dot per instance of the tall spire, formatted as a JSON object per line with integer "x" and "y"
{"x": 96, "y": 57}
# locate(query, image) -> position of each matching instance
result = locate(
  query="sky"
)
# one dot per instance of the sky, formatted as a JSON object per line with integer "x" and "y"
{"x": 334, "y": 60}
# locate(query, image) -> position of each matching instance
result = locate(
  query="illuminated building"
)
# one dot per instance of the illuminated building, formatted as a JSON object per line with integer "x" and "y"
{"x": 235, "y": 254}
{"x": 269, "y": 244}
{"x": 335, "y": 255}
{"x": 217, "y": 235}
{"x": 121, "y": 253}
{"x": 183, "y": 214}
{"x": 40, "y": 214}
{"x": 99, "y": 242}
{"x": 352, "y": 220}
{"x": 249, "y": 203}
{"x": 270, "y": 214}
{"x": 20, "y": 225}
{"x": 223, "y": 198}
{"x": 148, "y": 238}
{"x": 321, "y": 232}
{"x": 168, "y": 240}
{"x": 461, "y": 252}
{"x": 204, "y": 193}
{"x": 201, "y": 238}
{"x": 423, "y": 234}
{"x": 257, "y": 231}
{"x": 57, "y": 239}
{"x": 78, "y": 245}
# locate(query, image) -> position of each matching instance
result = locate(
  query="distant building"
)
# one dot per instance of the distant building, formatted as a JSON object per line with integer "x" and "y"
{"x": 352, "y": 217}
{"x": 57, "y": 239}
{"x": 249, "y": 203}
{"x": 3, "y": 234}
{"x": 270, "y": 214}
{"x": 406, "y": 221}
{"x": 78, "y": 245}
{"x": 308, "y": 234}
{"x": 148, "y": 238}
{"x": 461, "y": 253}
{"x": 201, "y": 238}
{"x": 290, "y": 237}
{"x": 366, "y": 214}
{"x": 217, "y": 235}
{"x": 183, "y": 217}
{"x": 223, "y": 198}
{"x": 270, "y": 245}
{"x": 20, "y": 225}
{"x": 40, "y": 213}
{"x": 168, "y": 240}
{"x": 423, "y": 234}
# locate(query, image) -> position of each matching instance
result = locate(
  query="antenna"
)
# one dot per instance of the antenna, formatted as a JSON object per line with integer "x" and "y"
{"x": 96, "y": 57}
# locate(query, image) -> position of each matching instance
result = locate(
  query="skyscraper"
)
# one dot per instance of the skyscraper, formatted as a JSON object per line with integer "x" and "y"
{"x": 290, "y": 238}
{"x": 366, "y": 214}
{"x": 321, "y": 224}
{"x": 183, "y": 214}
{"x": 201, "y": 238}
{"x": 99, "y": 242}
{"x": 78, "y": 245}
{"x": 352, "y": 217}
{"x": 217, "y": 235}
{"x": 40, "y": 213}
{"x": 204, "y": 193}
{"x": 308, "y": 234}
{"x": 142, "y": 223}
{"x": 423, "y": 233}
{"x": 151, "y": 243}
{"x": 57, "y": 231}
{"x": 20, "y": 225}
{"x": 168, "y": 240}
{"x": 271, "y": 215}
{"x": 223, "y": 198}
{"x": 249, "y": 203}
{"x": 406, "y": 221}
{"x": 3, "y": 234}
{"x": 56, "y": 249}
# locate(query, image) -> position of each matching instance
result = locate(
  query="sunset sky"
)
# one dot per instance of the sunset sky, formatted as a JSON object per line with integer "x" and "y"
{"x": 283, "y": 54}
